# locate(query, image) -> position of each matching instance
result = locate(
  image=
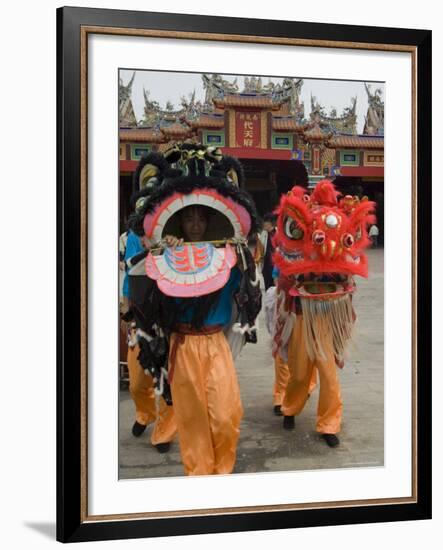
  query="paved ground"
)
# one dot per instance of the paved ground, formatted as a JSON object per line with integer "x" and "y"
{"x": 264, "y": 445}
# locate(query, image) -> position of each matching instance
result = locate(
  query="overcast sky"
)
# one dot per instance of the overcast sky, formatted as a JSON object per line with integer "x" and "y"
{"x": 171, "y": 86}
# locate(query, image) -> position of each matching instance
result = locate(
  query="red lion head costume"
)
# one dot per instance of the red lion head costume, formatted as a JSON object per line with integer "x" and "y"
{"x": 319, "y": 234}
{"x": 319, "y": 247}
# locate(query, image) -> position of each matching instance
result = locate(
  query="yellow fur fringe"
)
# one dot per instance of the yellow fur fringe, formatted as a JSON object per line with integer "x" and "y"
{"x": 327, "y": 323}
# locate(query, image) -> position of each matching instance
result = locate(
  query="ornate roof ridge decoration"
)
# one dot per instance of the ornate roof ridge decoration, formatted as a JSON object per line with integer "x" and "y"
{"x": 289, "y": 91}
{"x": 155, "y": 115}
{"x": 346, "y": 122}
{"x": 280, "y": 93}
{"x": 216, "y": 87}
{"x": 375, "y": 117}
{"x": 125, "y": 108}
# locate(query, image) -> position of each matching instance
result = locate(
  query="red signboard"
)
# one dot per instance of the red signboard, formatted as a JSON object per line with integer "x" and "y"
{"x": 316, "y": 160}
{"x": 266, "y": 154}
{"x": 247, "y": 129}
{"x": 360, "y": 171}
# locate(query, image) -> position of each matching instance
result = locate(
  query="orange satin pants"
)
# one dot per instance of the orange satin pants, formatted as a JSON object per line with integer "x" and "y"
{"x": 281, "y": 380}
{"x": 142, "y": 393}
{"x": 330, "y": 405}
{"x": 207, "y": 405}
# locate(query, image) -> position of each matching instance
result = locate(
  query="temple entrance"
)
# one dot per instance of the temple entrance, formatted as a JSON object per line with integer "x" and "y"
{"x": 267, "y": 180}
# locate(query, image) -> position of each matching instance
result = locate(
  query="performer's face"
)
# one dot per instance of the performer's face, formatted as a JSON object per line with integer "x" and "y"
{"x": 194, "y": 223}
{"x": 268, "y": 226}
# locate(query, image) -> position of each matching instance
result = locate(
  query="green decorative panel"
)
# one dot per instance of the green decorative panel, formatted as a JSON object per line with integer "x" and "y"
{"x": 282, "y": 141}
{"x": 214, "y": 139}
{"x": 138, "y": 150}
{"x": 350, "y": 158}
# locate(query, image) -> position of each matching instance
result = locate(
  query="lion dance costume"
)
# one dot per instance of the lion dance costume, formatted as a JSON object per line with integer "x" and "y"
{"x": 196, "y": 303}
{"x": 320, "y": 247}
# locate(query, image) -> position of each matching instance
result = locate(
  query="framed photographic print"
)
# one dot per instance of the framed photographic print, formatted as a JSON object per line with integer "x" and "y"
{"x": 243, "y": 274}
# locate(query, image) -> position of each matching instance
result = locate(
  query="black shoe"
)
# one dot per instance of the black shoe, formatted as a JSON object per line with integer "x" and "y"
{"x": 277, "y": 410}
{"x": 288, "y": 423}
{"x": 331, "y": 439}
{"x": 138, "y": 429}
{"x": 163, "y": 447}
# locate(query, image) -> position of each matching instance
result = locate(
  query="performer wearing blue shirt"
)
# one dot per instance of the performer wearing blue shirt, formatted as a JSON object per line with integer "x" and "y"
{"x": 204, "y": 385}
{"x": 140, "y": 383}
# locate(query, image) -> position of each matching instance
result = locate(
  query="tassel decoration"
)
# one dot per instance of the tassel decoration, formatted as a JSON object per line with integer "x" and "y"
{"x": 326, "y": 320}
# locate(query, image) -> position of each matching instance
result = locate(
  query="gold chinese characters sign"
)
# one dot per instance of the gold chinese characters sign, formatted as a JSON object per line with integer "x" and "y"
{"x": 248, "y": 129}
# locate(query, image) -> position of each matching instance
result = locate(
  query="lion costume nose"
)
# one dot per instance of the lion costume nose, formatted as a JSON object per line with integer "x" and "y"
{"x": 328, "y": 249}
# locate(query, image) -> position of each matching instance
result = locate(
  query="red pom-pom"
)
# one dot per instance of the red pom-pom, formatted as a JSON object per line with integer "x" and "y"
{"x": 298, "y": 192}
{"x": 325, "y": 193}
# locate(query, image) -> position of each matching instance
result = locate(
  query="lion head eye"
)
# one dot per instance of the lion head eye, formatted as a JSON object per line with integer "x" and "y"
{"x": 347, "y": 240}
{"x": 318, "y": 237}
{"x": 293, "y": 230}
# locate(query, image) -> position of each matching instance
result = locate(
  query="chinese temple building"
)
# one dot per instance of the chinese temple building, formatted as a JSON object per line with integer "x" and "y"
{"x": 265, "y": 127}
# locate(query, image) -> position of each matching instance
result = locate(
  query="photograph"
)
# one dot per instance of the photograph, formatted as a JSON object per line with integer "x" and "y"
{"x": 260, "y": 348}
{"x": 243, "y": 239}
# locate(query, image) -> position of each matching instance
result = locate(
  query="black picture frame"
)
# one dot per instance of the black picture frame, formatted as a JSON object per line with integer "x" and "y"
{"x": 72, "y": 522}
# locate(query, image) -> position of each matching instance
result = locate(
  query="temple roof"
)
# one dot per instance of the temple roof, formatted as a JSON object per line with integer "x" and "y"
{"x": 176, "y": 130}
{"x": 207, "y": 121}
{"x": 358, "y": 141}
{"x": 315, "y": 134}
{"x": 248, "y": 100}
{"x": 142, "y": 135}
{"x": 283, "y": 111}
{"x": 287, "y": 124}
